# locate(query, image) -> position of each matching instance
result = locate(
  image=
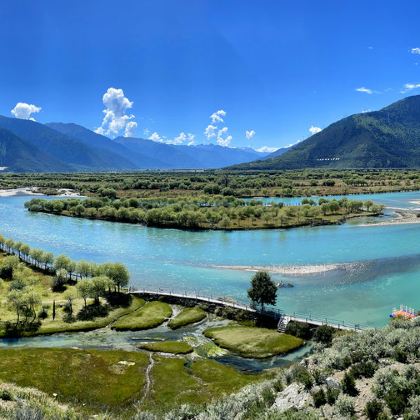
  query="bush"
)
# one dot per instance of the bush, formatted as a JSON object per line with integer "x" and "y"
{"x": 345, "y": 406}
{"x": 6, "y": 395}
{"x": 43, "y": 313}
{"x": 332, "y": 395}
{"x": 324, "y": 334}
{"x": 298, "y": 329}
{"x": 301, "y": 374}
{"x": 92, "y": 311}
{"x": 348, "y": 385}
{"x": 319, "y": 398}
{"x": 58, "y": 284}
{"x": 373, "y": 409}
{"x": 363, "y": 370}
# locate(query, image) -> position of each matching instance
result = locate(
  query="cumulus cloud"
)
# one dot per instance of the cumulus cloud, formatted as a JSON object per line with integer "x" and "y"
{"x": 216, "y": 130}
{"x": 116, "y": 119}
{"x": 217, "y": 117}
{"x": 210, "y": 131}
{"x": 249, "y": 134}
{"x": 155, "y": 137}
{"x": 415, "y": 51}
{"x": 364, "y": 90}
{"x": 266, "y": 149}
{"x": 313, "y": 130}
{"x": 24, "y": 111}
{"x": 182, "y": 138}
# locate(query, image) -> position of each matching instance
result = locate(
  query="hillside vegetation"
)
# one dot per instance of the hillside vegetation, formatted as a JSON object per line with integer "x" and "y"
{"x": 389, "y": 138}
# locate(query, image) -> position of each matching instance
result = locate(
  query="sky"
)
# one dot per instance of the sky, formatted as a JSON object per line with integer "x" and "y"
{"x": 240, "y": 73}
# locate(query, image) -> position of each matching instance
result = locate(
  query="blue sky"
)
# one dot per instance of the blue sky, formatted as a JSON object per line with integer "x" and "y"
{"x": 275, "y": 68}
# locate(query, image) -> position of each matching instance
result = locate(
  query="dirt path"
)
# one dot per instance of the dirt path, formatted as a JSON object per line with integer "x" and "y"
{"x": 149, "y": 381}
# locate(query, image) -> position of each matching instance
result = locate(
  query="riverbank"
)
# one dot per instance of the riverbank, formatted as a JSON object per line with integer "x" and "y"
{"x": 402, "y": 217}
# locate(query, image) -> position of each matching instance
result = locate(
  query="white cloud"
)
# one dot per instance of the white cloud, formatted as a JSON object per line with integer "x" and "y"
{"x": 266, "y": 149}
{"x": 181, "y": 138}
{"x": 415, "y": 51}
{"x": 410, "y": 86}
{"x": 364, "y": 111}
{"x": 314, "y": 130}
{"x": 24, "y": 111}
{"x": 215, "y": 131}
{"x": 116, "y": 119}
{"x": 210, "y": 131}
{"x": 223, "y": 138}
{"x": 218, "y": 116}
{"x": 130, "y": 128}
{"x": 364, "y": 90}
{"x": 155, "y": 137}
{"x": 249, "y": 134}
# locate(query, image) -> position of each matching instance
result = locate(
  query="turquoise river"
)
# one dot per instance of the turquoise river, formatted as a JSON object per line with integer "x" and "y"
{"x": 353, "y": 272}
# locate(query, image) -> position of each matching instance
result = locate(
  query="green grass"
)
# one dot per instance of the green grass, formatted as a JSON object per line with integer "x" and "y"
{"x": 253, "y": 342}
{"x": 187, "y": 316}
{"x": 151, "y": 315}
{"x": 198, "y": 382}
{"x": 113, "y": 381}
{"x": 174, "y": 347}
{"x": 94, "y": 378}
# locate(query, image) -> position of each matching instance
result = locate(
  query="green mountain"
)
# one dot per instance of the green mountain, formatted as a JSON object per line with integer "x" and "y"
{"x": 389, "y": 138}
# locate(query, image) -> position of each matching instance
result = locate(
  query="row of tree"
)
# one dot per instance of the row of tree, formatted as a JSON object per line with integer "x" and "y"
{"x": 64, "y": 267}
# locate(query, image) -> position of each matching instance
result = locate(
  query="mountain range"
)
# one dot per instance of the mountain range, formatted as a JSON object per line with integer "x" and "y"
{"x": 388, "y": 138}
{"x": 29, "y": 146}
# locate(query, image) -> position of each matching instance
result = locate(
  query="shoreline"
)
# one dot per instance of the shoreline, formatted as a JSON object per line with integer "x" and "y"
{"x": 402, "y": 217}
{"x": 34, "y": 191}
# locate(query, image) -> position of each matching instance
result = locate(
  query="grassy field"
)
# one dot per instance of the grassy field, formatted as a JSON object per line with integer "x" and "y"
{"x": 187, "y": 316}
{"x": 194, "y": 383}
{"x": 151, "y": 315}
{"x": 174, "y": 347}
{"x": 253, "y": 342}
{"x": 96, "y": 381}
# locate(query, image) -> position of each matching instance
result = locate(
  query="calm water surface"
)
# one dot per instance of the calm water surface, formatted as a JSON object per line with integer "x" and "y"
{"x": 378, "y": 266}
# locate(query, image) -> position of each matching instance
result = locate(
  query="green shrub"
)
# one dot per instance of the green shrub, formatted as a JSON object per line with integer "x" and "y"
{"x": 324, "y": 334}
{"x": 348, "y": 385}
{"x": 301, "y": 374}
{"x": 319, "y": 398}
{"x": 345, "y": 406}
{"x": 373, "y": 409}
{"x": 298, "y": 329}
{"x": 332, "y": 395}
{"x": 363, "y": 370}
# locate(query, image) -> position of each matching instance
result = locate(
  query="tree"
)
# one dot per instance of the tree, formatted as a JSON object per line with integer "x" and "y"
{"x": 84, "y": 289}
{"x": 263, "y": 290}
{"x": 117, "y": 273}
{"x": 98, "y": 287}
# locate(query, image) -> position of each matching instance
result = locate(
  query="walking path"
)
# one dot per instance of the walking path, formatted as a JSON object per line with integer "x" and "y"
{"x": 282, "y": 318}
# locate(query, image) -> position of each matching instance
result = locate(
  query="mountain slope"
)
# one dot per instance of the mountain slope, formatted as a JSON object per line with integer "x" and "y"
{"x": 389, "y": 138}
{"x": 68, "y": 152}
{"x": 70, "y": 147}
{"x": 17, "y": 155}
{"x": 120, "y": 155}
{"x": 166, "y": 156}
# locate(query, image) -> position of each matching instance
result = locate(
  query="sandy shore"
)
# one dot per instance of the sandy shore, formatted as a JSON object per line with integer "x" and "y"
{"x": 63, "y": 192}
{"x": 287, "y": 269}
{"x": 19, "y": 191}
{"x": 402, "y": 217}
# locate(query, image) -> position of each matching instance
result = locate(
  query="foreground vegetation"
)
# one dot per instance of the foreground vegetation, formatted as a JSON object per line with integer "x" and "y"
{"x": 95, "y": 381}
